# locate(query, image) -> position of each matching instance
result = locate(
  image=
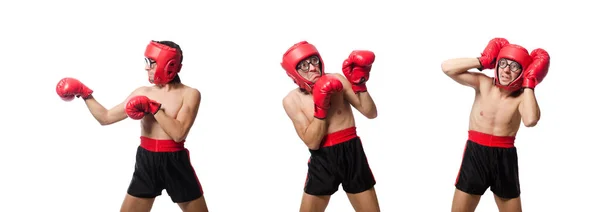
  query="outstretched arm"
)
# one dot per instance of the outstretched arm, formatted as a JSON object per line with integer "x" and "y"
{"x": 108, "y": 117}
{"x": 179, "y": 128}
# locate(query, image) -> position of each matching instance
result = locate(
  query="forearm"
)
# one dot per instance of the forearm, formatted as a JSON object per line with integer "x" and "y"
{"x": 314, "y": 133}
{"x": 367, "y": 105}
{"x": 97, "y": 110}
{"x": 171, "y": 126}
{"x": 459, "y": 65}
{"x": 531, "y": 110}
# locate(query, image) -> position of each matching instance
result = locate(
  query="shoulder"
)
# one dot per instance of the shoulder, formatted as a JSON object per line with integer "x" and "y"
{"x": 338, "y": 75}
{"x": 141, "y": 90}
{"x": 191, "y": 93}
{"x": 291, "y": 98}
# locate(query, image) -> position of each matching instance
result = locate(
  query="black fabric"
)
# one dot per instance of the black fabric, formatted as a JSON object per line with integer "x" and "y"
{"x": 344, "y": 163}
{"x": 173, "y": 171}
{"x": 493, "y": 167}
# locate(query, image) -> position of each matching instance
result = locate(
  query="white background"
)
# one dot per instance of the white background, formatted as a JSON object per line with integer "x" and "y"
{"x": 56, "y": 157}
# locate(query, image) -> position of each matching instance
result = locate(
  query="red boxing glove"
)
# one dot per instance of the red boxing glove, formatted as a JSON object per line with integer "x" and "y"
{"x": 490, "y": 53}
{"x": 537, "y": 70}
{"x": 322, "y": 90}
{"x": 69, "y": 88}
{"x": 138, "y": 106}
{"x": 357, "y": 68}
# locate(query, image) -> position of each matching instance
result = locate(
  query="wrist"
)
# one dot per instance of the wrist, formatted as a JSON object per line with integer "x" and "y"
{"x": 357, "y": 88}
{"x": 529, "y": 83}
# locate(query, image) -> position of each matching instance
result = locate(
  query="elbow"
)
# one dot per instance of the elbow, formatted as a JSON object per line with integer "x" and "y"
{"x": 446, "y": 67}
{"x": 530, "y": 122}
{"x": 313, "y": 144}
{"x": 371, "y": 115}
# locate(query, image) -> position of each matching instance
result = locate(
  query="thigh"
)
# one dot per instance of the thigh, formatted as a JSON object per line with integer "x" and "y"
{"x": 313, "y": 203}
{"x": 357, "y": 173}
{"x": 136, "y": 204}
{"x": 508, "y": 205}
{"x": 197, "y": 205}
{"x": 474, "y": 173}
{"x": 365, "y": 201}
{"x": 322, "y": 177}
{"x": 464, "y": 202}
{"x": 506, "y": 181}
{"x": 145, "y": 182}
{"x": 181, "y": 181}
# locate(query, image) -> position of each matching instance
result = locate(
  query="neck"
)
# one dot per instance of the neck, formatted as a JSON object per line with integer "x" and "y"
{"x": 167, "y": 87}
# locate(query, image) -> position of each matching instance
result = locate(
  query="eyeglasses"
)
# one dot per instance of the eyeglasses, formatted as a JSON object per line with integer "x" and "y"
{"x": 149, "y": 62}
{"x": 305, "y": 64}
{"x": 514, "y": 66}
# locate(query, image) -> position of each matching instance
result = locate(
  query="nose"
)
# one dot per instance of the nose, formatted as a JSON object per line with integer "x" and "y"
{"x": 312, "y": 68}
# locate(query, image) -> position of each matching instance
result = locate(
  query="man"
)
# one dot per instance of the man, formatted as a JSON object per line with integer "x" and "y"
{"x": 322, "y": 116}
{"x": 167, "y": 111}
{"x": 501, "y": 103}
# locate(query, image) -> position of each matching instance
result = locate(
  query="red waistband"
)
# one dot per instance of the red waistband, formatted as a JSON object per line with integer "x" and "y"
{"x": 339, "y": 137}
{"x": 156, "y": 145}
{"x": 492, "y": 140}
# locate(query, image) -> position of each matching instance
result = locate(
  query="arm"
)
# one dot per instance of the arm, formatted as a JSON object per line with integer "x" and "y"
{"x": 108, "y": 117}
{"x": 179, "y": 128}
{"x": 458, "y": 70}
{"x": 311, "y": 133}
{"x": 362, "y": 101}
{"x": 529, "y": 108}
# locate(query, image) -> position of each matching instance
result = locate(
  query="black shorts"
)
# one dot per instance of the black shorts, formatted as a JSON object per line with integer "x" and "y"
{"x": 494, "y": 167}
{"x": 344, "y": 163}
{"x": 173, "y": 171}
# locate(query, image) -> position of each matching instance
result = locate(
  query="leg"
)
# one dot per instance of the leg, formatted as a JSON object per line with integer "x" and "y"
{"x": 181, "y": 182}
{"x": 145, "y": 186}
{"x": 508, "y": 205}
{"x": 136, "y": 204}
{"x": 473, "y": 178}
{"x": 321, "y": 181}
{"x": 506, "y": 186}
{"x": 365, "y": 201}
{"x": 197, "y": 205}
{"x": 464, "y": 202}
{"x": 314, "y": 203}
{"x": 358, "y": 180}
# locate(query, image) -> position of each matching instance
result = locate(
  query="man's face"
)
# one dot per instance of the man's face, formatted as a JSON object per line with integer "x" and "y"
{"x": 150, "y": 68}
{"x": 310, "y": 68}
{"x": 508, "y": 71}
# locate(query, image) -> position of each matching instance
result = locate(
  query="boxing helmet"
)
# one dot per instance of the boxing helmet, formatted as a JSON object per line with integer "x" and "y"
{"x": 168, "y": 61}
{"x": 298, "y": 52}
{"x": 515, "y": 53}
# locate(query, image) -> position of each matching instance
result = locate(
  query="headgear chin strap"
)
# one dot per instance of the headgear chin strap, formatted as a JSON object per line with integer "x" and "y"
{"x": 518, "y": 54}
{"x": 298, "y": 52}
{"x": 168, "y": 61}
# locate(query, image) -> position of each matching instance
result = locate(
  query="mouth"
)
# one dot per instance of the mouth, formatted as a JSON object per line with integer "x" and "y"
{"x": 505, "y": 77}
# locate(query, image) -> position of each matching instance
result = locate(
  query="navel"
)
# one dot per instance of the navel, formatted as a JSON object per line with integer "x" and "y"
{"x": 481, "y": 113}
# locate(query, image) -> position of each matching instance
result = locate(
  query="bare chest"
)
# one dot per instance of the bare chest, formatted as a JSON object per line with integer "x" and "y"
{"x": 171, "y": 102}
{"x": 491, "y": 110}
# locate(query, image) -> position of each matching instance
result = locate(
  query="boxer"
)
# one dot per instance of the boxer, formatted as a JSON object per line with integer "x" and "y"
{"x": 320, "y": 110}
{"x": 167, "y": 110}
{"x": 502, "y": 102}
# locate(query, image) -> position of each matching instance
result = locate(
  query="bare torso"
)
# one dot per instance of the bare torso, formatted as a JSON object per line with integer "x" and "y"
{"x": 171, "y": 100}
{"x": 340, "y": 114}
{"x": 493, "y": 112}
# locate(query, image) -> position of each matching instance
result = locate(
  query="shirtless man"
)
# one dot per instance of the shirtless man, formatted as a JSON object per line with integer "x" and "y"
{"x": 320, "y": 110}
{"x": 167, "y": 111}
{"x": 501, "y": 103}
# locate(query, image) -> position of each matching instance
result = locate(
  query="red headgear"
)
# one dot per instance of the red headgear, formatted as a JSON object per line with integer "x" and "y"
{"x": 168, "y": 61}
{"x": 298, "y": 52}
{"x": 518, "y": 54}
